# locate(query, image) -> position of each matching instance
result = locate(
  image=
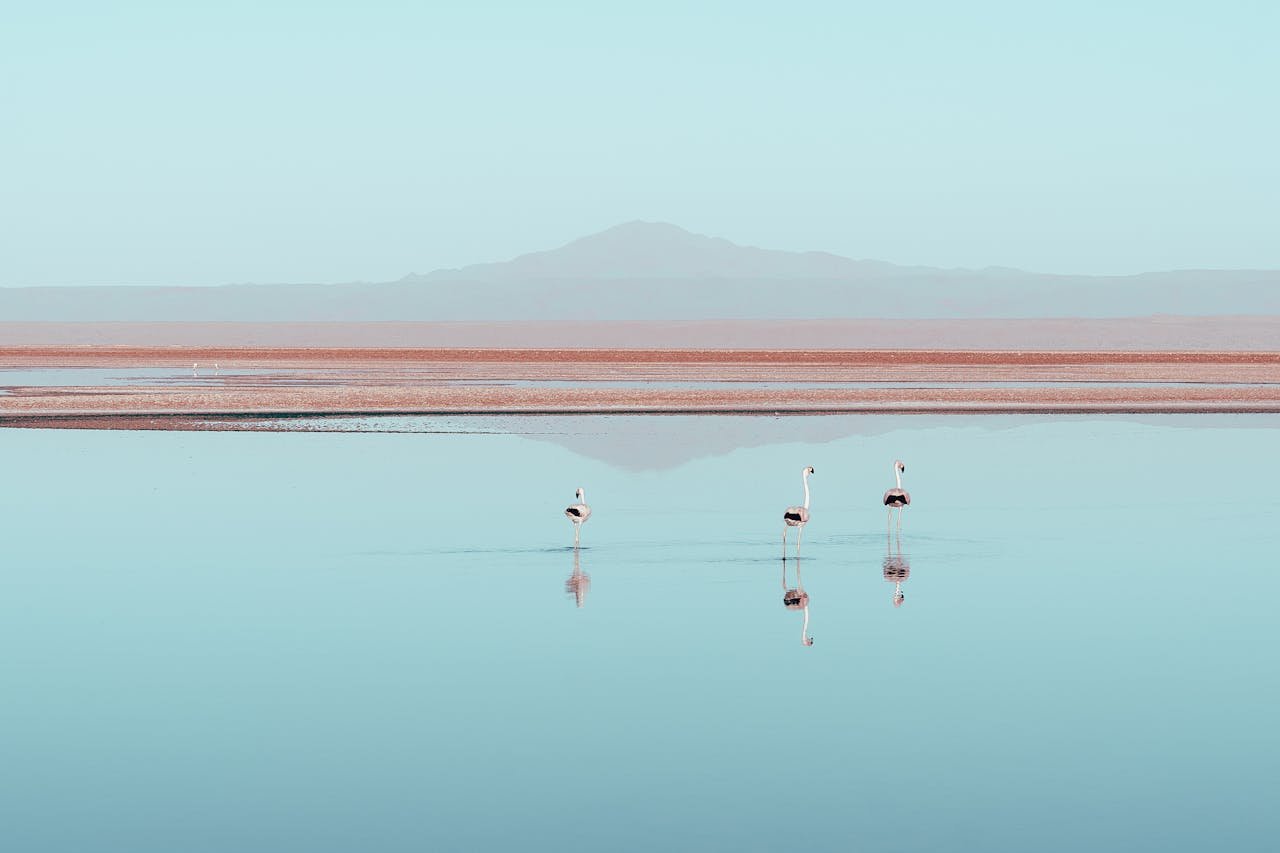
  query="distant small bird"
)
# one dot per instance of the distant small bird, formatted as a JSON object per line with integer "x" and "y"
{"x": 193, "y": 369}
{"x": 797, "y": 516}
{"x": 898, "y": 496}
{"x": 578, "y": 513}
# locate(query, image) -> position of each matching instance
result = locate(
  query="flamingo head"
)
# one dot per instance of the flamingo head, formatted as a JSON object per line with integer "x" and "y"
{"x": 578, "y": 494}
{"x": 808, "y": 641}
{"x": 898, "y": 465}
{"x": 808, "y": 471}
{"x": 898, "y": 598}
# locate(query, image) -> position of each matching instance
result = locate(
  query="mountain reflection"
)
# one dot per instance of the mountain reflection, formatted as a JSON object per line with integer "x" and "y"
{"x": 578, "y": 584}
{"x": 795, "y": 598}
{"x": 897, "y": 568}
{"x": 645, "y": 443}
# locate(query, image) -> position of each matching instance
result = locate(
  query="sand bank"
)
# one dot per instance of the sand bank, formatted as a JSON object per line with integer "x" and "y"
{"x": 257, "y": 383}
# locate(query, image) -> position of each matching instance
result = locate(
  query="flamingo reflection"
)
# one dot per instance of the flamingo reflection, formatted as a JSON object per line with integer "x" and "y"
{"x": 579, "y": 583}
{"x": 795, "y": 598}
{"x": 896, "y": 567}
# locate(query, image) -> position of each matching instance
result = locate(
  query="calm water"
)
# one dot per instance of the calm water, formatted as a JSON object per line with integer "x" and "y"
{"x": 58, "y": 377}
{"x": 359, "y": 641}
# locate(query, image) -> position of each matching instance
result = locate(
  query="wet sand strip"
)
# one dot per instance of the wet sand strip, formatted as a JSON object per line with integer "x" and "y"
{"x": 318, "y": 383}
{"x": 125, "y": 407}
{"x": 367, "y": 366}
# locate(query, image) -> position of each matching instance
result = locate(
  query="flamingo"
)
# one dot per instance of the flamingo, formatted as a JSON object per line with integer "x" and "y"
{"x": 898, "y": 496}
{"x": 578, "y": 513}
{"x": 796, "y": 516}
{"x": 797, "y": 599}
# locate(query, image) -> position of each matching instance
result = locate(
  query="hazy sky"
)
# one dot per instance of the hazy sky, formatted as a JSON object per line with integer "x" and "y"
{"x": 227, "y": 142}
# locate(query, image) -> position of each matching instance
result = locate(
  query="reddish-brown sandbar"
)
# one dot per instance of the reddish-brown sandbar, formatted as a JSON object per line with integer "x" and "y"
{"x": 410, "y": 366}
{"x": 291, "y": 382}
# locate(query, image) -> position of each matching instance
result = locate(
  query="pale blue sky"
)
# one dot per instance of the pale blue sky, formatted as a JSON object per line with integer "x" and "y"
{"x": 175, "y": 143}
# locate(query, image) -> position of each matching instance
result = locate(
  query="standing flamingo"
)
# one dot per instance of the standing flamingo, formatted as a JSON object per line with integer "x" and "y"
{"x": 797, "y": 599}
{"x": 898, "y": 496}
{"x": 796, "y": 516}
{"x": 578, "y": 513}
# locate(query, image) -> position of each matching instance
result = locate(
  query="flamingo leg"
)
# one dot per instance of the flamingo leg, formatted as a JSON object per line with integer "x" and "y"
{"x": 799, "y": 536}
{"x": 784, "y": 543}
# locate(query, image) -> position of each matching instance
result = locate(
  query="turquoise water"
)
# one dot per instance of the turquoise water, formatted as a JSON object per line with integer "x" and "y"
{"x": 366, "y": 641}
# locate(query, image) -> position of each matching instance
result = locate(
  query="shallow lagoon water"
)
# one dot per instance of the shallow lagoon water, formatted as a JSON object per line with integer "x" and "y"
{"x": 320, "y": 641}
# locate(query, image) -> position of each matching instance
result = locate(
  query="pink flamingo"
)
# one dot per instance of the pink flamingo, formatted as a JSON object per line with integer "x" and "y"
{"x": 897, "y": 496}
{"x": 796, "y": 516}
{"x": 578, "y": 513}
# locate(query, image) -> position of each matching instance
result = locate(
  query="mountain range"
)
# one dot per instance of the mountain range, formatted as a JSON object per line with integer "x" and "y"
{"x": 644, "y": 271}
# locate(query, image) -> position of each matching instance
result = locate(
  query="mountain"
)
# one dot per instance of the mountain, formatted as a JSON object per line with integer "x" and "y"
{"x": 647, "y": 271}
{"x": 658, "y": 250}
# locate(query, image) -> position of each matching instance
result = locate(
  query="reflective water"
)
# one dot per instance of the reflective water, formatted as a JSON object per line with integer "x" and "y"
{"x": 266, "y": 641}
{"x": 59, "y": 377}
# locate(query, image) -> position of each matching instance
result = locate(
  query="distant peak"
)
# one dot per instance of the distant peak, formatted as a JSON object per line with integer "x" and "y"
{"x": 643, "y": 250}
{"x": 639, "y": 230}
{"x": 641, "y": 225}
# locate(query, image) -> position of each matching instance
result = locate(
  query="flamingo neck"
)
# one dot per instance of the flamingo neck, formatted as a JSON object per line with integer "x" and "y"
{"x": 806, "y": 489}
{"x": 897, "y": 475}
{"x": 804, "y": 629}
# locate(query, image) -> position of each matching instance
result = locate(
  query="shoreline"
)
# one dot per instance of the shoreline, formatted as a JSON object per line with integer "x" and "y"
{"x": 315, "y": 421}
